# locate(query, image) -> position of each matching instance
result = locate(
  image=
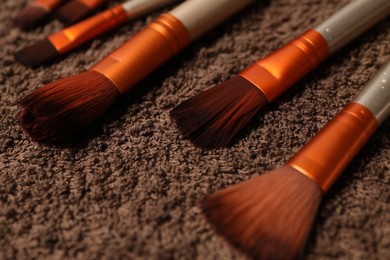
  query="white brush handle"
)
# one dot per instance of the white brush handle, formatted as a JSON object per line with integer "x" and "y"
{"x": 136, "y": 8}
{"x": 352, "y": 20}
{"x": 376, "y": 95}
{"x": 199, "y": 16}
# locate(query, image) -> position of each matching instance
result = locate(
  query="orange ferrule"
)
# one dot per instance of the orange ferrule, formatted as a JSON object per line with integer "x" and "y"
{"x": 148, "y": 49}
{"x": 48, "y": 4}
{"x": 278, "y": 71}
{"x": 325, "y": 156}
{"x": 83, "y": 31}
{"x": 92, "y": 3}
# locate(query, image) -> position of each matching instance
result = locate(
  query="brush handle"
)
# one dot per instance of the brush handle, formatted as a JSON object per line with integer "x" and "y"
{"x": 136, "y": 8}
{"x": 376, "y": 96}
{"x": 327, "y": 154}
{"x": 352, "y": 20}
{"x": 199, "y": 16}
{"x": 163, "y": 39}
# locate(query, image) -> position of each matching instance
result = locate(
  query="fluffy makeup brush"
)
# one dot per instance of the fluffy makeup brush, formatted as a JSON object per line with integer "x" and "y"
{"x": 75, "y": 10}
{"x": 69, "y": 38}
{"x": 213, "y": 117}
{"x": 36, "y": 13}
{"x": 270, "y": 216}
{"x": 63, "y": 107}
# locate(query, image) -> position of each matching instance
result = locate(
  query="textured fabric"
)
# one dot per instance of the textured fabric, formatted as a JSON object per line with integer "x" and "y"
{"x": 128, "y": 186}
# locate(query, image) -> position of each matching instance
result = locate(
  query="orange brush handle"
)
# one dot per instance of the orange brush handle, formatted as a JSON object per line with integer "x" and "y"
{"x": 278, "y": 71}
{"x": 325, "y": 156}
{"x": 92, "y": 3}
{"x": 48, "y": 4}
{"x": 151, "y": 47}
{"x": 73, "y": 36}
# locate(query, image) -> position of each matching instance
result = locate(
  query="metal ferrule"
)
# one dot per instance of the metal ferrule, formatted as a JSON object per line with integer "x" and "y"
{"x": 143, "y": 53}
{"x": 199, "y": 16}
{"x": 326, "y": 155}
{"x": 47, "y": 4}
{"x": 278, "y": 71}
{"x": 81, "y": 32}
{"x": 92, "y": 3}
{"x": 376, "y": 95}
{"x": 352, "y": 20}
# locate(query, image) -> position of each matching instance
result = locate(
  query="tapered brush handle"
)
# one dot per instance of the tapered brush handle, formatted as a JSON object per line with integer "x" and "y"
{"x": 164, "y": 38}
{"x": 136, "y": 8}
{"x": 90, "y": 28}
{"x": 199, "y": 16}
{"x": 351, "y": 21}
{"x": 376, "y": 96}
{"x": 326, "y": 155}
{"x": 277, "y": 72}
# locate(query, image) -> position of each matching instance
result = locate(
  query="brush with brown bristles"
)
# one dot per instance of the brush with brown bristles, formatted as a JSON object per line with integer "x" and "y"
{"x": 36, "y": 13}
{"x": 75, "y": 10}
{"x": 270, "y": 216}
{"x": 64, "y": 107}
{"x": 213, "y": 117}
{"x": 69, "y": 38}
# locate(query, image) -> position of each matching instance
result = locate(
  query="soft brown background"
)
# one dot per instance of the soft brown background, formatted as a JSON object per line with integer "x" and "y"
{"x": 129, "y": 184}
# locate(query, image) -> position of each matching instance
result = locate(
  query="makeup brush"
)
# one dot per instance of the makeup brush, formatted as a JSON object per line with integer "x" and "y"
{"x": 69, "y": 38}
{"x": 270, "y": 216}
{"x": 63, "y": 107}
{"x": 213, "y": 117}
{"x": 36, "y": 13}
{"x": 75, "y": 10}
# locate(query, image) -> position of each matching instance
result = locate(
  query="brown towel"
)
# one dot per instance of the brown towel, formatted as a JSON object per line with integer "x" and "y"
{"x": 129, "y": 184}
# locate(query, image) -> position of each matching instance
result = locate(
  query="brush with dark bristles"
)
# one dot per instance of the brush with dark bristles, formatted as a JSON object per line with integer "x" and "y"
{"x": 212, "y": 118}
{"x": 69, "y": 38}
{"x": 64, "y": 107}
{"x": 35, "y": 14}
{"x": 270, "y": 216}
{"x": 75, "y": 10}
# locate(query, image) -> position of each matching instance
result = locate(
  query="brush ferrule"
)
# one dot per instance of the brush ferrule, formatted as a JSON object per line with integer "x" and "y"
{"x": 148, "y": 49}
{"x": 81, "y": 32}
{"x": 47, "y": 4}
{"x": 326, "y": 155}
{"x": 278, "y": 71}
{"x": 93, "y": 4}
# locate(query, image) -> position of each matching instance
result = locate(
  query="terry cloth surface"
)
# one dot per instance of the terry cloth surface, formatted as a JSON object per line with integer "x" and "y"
{"x": 128, "y": 186}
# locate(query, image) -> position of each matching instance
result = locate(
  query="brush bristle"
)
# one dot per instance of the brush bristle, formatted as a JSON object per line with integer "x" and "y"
{"x": 72, "y": 11}
{"x": 31, "y": 17}
{"x": 38, "y": 53}
{"x": 213, "y": 117}
{"x": 267, "y": 217}
{"x": 64, "y": 107}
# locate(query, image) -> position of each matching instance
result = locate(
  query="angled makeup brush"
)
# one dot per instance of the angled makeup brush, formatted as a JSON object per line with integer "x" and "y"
{"x": 270, "y": 216}
{"x": 213, "y": 117}
{"x": 36, "y": 13}
{"x": 64, "y": 107}
{"x": 75, "y": 10}
{"x": 69, "y": 38}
